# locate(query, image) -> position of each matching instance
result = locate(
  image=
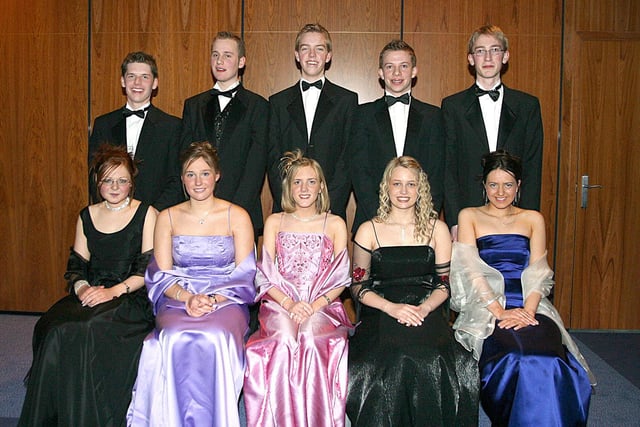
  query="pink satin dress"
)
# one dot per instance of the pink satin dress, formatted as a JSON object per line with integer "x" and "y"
{"x": 297, "y": 374}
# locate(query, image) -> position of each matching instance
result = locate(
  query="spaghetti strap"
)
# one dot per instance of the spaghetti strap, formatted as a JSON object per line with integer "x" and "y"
{"x": 282, "y": 214}
{"x": 324, "y": 226}
{"x": 375, "y": 234}
{"x": 431, "y": 234}
{"x": 170, "y": 221}
{"x": 229, "y": 220}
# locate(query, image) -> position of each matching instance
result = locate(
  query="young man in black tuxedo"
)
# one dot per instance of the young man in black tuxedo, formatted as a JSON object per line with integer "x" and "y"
{"x": 314, "y": 115}
{"x": 483, "y": 118}
{"x": 394, "y": 125}
{"x": 234, "y": 120}
{"x": 152, "y": 136}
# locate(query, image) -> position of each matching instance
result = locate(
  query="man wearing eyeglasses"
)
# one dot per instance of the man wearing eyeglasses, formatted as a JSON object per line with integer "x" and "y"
{"x": 151, "y": 136}
{"x": 486, "y": 117}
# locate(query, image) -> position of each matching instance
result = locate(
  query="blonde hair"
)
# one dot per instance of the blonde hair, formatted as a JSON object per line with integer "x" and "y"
{"x": 424, "y": 212}
{"x": 290, "y": 163}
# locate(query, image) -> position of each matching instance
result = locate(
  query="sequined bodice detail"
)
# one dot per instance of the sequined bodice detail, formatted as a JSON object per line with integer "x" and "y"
{"x": 302, "y": 257}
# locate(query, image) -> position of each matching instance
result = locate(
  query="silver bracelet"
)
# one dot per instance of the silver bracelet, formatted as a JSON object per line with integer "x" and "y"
{"x": 79, "y": 284}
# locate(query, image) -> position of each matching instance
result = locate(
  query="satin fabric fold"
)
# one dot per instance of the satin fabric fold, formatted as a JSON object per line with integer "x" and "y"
{"x": 192, "y": 368}
{"x": 297, "y": 374}
{"x": 532, "y": 376}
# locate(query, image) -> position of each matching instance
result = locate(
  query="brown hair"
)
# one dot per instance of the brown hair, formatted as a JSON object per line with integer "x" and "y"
{"x": 108, "y": 157}
{"x": 395, "y": 45}
{"x": 200, "y": 150}
{"x": 227, "y": 35}
{"x": 142, "y": 58}
{"x": 313, "y": 28}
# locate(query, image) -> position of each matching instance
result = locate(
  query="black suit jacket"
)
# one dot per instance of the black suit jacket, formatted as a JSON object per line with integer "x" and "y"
{"x": 157, "y": 154}
{"x": 328, "y": 143}
{"x": 242, "y": 153}
{"x": 519, "y": 133}
{"x": 373, "y": 147}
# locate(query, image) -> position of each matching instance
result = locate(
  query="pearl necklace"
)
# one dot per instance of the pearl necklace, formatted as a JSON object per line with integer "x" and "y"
{"x": 311, "y": 218}
{"x": 117, "y": 208}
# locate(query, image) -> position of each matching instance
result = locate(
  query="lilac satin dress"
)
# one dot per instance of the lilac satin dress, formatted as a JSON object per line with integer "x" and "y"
{"x": 192, "y": 368}
{"x": 528, "y": 376}
{"x": 297, "y": 374}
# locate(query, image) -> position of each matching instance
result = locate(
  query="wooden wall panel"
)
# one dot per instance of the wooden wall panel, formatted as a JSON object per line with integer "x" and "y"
{"x": 439, "y": 33}
{"x": 42, "y": 130}
{"x": 177, "y": 33}
{"x": 359, "y": 29}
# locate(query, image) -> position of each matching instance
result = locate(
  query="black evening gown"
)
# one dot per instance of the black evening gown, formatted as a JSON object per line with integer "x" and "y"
{"x": 85, "y": 359}
{"x": 409, "y": 376}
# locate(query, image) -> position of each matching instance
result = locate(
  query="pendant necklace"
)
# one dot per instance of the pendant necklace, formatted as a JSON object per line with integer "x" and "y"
{"x": 201, "y": 220}
{"x": 311, "y": 218}
{"x": 117, "y": 208}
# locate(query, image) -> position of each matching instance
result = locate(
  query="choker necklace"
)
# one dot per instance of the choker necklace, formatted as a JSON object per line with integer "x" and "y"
{"x": 311, "y": 218}
{"x": 117, "y": 208}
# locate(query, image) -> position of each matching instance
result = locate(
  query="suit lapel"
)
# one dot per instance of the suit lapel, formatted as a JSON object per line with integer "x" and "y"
{"x": 325, "y": 105}
{"x": 296, "y": 111}
{"x": 473, "y": 114}
{"x": 383, "y": 123}
{"x": 145, "y": 134}
{"x": 414, "y": 122}
{"x": 237, "y": 109}
{"x": 507, "y": 120}
{"x": 119, "y": 132}
{"x": 209, "y": 111}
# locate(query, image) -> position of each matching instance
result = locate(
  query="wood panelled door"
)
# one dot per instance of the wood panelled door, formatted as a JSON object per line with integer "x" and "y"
{"x": 599, "y": 223}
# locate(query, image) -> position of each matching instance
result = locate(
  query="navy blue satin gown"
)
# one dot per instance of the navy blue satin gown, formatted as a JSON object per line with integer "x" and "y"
{"x": 528, "y": 376}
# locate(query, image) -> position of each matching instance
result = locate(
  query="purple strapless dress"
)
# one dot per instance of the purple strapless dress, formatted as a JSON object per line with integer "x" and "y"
{"x": 191, "y": 368}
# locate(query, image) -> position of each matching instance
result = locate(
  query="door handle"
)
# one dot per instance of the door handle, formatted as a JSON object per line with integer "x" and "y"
{"x": 585, "y": 190}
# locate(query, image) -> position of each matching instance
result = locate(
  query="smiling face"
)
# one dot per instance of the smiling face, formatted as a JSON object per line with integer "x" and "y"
{"x": 199, "y": 179}
{"x": 313, "y": 54}
{"x": 403, "y": 188}
{"x": 501, "y": 188}
{"x": 226, "y": 62}
{"x": 115, "y": 185}
{"x": 397, "y": 72}
{"x": 305, "y": 187}
{"x": 139, "y": 84}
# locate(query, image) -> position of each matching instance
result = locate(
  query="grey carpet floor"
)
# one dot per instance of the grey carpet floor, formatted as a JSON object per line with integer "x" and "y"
{"x": 616, "y": 401}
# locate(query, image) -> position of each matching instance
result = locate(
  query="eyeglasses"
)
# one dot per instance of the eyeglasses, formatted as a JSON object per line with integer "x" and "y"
{"x": 481, "y": 51}
{"x": 120, "y": 181}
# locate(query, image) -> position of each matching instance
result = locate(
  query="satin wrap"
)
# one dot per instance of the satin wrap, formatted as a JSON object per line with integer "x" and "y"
{"x": 517, "y": 367}
{"x": 85, "y": 358}
{"x": 297, "y": 374}
{"x": 191, "y": 368}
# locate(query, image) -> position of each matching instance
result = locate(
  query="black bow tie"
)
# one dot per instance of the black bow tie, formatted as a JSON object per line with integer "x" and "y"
{"x": 392, "y": 99}
{"x": 306, "y": 85}
{"x": 493, "y": 93}
{"x": 140, "y": 113}
{"x": 228, "y": 93}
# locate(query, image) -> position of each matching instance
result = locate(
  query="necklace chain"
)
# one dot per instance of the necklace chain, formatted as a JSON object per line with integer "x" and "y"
{"x": 311, "y": 218}
{"x": 117, "y": 208}
{"x": 202, "y": 219}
